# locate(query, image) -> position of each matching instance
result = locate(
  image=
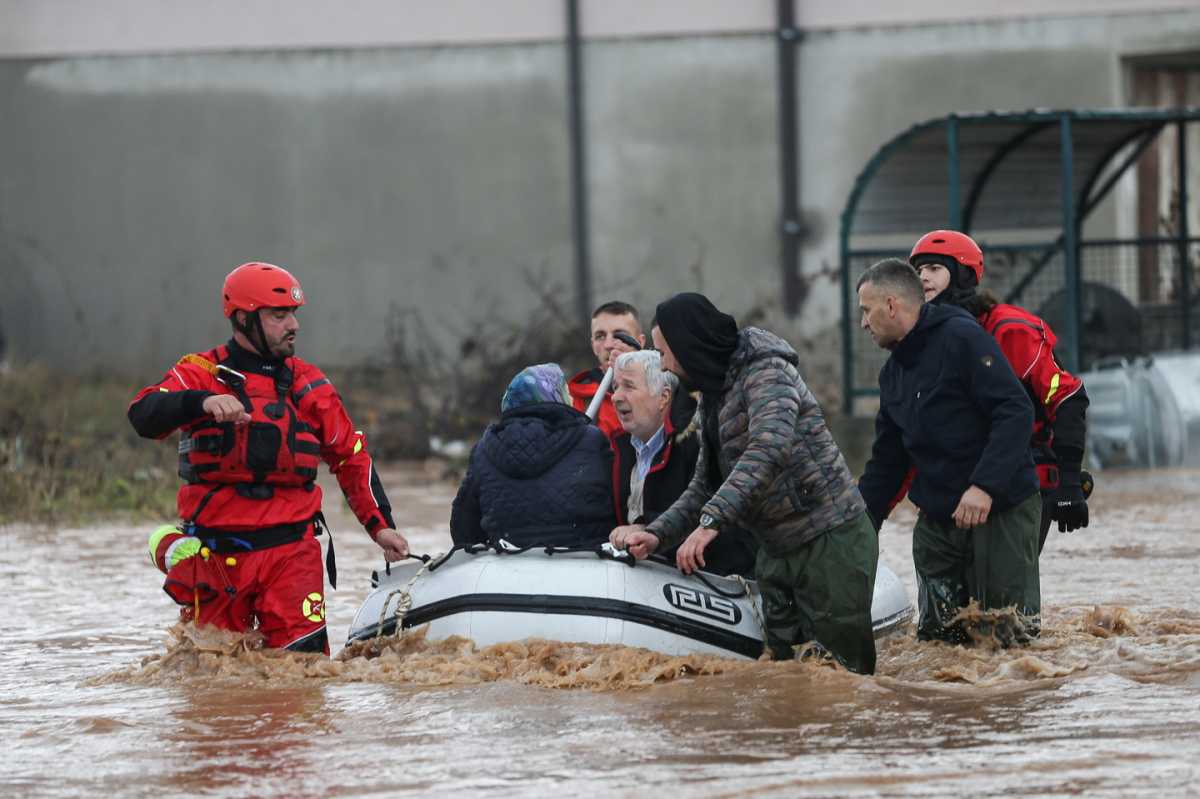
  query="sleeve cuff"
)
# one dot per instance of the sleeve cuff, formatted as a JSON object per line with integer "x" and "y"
{"x": 193, "y": 402}
{"x": 1070, "y": 459}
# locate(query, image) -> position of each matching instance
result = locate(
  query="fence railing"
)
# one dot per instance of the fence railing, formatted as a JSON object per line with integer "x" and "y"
{"x": 1136, "y": 296}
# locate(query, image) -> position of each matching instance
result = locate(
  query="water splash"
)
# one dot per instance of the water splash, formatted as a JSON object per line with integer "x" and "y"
{"x": 1105, "y": 622}
{"x": 231, "y": 658}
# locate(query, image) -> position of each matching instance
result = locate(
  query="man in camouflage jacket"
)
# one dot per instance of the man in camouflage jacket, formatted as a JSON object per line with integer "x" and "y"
{"x": 767, "y": 464}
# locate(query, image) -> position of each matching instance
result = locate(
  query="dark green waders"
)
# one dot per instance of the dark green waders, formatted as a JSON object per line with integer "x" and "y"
{"x": 822, "y": 592}
{"x": 995, "y": 564}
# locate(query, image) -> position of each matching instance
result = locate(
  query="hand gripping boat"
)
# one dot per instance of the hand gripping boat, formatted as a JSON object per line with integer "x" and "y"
{"x": 595, "y": 596}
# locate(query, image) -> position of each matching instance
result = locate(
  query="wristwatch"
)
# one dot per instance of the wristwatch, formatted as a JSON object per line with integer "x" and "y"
{"x": 710, "y": 521}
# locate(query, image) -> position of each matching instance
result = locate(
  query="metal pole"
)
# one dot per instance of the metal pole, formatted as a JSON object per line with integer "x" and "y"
{"x": 847, "y": 326}
{"x": 953, "y": 199}
{"x": 1185, "y": 266}
{"x": 790, "y": 228}
{"x": 578, "y": 147}
{"x": 1072, "y": 283}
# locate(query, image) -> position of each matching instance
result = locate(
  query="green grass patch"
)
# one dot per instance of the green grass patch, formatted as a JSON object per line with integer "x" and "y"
{"x": 68, "y": 453}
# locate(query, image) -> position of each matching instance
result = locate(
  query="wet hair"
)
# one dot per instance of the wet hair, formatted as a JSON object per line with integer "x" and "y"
{"x": 617, "y": 308}
{"x": 650, "y": 361}
{"x": 896, "y": 277}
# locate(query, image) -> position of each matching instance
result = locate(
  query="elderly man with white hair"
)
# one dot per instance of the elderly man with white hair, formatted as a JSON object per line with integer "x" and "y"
{"x": 656, "y": 452}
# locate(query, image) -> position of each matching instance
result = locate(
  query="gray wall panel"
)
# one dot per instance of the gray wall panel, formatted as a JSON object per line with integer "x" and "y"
{"x": 380, "y": 178}
{"x": 436, "y": 178}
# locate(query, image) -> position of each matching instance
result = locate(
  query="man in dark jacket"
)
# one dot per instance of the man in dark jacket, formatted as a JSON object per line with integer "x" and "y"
{"x": 656, "y": 451}
{"x": 769, "y": 465}
{"x": 540, "y": 476}
{"x": 951, "y": 406}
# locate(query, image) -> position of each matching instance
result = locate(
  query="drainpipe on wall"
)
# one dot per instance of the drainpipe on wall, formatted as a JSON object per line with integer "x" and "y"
{"x": 578, "y": 148}
{"x": 1185, "y": 264}
{"x": 791, "y": 231}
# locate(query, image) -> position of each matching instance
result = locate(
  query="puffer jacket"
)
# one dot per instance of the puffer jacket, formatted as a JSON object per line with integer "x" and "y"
{"x": 783, "y": 477}
{"x": 541, "y": 475}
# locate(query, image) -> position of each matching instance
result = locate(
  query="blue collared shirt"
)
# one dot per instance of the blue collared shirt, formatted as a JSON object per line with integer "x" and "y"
{"x": 646, "y": 452}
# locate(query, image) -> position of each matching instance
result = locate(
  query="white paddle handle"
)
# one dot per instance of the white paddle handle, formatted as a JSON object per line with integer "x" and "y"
{"x": 593, "y": 408}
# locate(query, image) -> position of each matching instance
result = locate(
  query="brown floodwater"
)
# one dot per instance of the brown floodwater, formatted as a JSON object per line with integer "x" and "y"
{"x": 102, "y": 693}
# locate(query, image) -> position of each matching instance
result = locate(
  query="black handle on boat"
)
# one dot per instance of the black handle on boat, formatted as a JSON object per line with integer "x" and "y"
{"x": 387, "y": 564}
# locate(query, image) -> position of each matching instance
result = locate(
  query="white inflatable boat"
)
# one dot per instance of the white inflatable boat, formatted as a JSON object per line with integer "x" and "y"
{"x": 584, "y": 597}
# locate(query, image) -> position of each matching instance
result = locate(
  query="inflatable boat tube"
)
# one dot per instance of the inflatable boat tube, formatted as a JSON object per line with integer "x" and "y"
{"x": 585, "y": 597}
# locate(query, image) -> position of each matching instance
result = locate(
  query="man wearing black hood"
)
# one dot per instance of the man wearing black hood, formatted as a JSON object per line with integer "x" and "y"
{"x": 768, "y": 465}
{"x": 951, "y": 406}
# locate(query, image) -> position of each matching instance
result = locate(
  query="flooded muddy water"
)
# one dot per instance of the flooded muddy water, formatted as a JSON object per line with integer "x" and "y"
{"x": 101, "y": 693}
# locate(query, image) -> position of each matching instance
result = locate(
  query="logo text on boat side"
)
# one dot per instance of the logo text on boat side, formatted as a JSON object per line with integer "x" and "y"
{"x": 702, "y": 603}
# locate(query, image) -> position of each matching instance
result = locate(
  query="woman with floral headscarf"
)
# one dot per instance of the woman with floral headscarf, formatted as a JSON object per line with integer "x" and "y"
{"x": 541, "y": 475}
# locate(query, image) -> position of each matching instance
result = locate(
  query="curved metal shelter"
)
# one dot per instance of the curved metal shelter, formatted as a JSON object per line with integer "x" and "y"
{"x": 1030, "y": 180}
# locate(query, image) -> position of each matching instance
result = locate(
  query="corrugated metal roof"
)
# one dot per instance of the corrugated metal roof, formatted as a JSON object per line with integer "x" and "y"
{"x": 1008, "y": 167}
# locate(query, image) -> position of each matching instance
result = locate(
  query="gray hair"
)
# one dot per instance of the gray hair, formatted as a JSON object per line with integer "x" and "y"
{"x": 897, "y": 278}
{"x": 650, "y": 361}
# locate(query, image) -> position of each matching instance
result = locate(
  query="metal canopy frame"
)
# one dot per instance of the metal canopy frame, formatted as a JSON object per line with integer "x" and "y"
{"x": 915, "y": 183}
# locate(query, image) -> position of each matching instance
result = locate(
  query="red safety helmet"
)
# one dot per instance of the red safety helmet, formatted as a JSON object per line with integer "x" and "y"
{"x": 951, "y": 244}
{"x": 258, "y": 285}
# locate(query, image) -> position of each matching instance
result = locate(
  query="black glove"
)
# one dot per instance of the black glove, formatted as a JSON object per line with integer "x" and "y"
{"x": 1067, "y": 505}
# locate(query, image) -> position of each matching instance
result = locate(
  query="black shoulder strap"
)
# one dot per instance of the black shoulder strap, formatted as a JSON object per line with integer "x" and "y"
{"x": 299, "y": 395}
{"x": 1041, "y": 330}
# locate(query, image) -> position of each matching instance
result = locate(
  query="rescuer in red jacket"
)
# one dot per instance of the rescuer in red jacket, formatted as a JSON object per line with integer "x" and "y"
{"x": 254, "y": 422}
{"x": 608, "y": 320}
{"x": 950, "y": 265}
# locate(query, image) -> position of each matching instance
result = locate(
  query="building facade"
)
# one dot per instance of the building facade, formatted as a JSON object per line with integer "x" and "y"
{"x": 415, "y": 158}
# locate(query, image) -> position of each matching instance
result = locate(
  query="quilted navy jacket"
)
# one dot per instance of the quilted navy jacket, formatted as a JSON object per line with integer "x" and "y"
{"x": 542, "y": 475}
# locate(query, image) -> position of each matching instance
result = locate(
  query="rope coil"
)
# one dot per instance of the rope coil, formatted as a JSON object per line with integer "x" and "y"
{"x": 404, "y": 604}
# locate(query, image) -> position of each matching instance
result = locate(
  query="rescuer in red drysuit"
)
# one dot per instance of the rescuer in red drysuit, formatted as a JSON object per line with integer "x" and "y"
{"x": 608, "y": 320}
{"x": 950, "y": 265}
{"x": 254, "y": 422}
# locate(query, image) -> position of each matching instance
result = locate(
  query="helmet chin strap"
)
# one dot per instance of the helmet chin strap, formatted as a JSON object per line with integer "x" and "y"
{"x": 252, "y": 329}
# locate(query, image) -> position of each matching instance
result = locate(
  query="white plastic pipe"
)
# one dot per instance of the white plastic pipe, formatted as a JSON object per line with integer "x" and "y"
{"x": 593, "y": 408}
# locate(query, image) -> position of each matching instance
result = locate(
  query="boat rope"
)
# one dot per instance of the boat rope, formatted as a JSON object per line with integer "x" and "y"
{"x": 505, "y": 547}
{"x": 758, "y": 617}
{"x": 700, "y": 576}
{"x": 718, "y": 590}
{"x": 404, "y": 603}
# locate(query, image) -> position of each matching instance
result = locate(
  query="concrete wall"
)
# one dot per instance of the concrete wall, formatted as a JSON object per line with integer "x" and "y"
{"x": 422, "y": 178}
{"x": 41, "y": 28}
{"x": 435, "y": 177}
